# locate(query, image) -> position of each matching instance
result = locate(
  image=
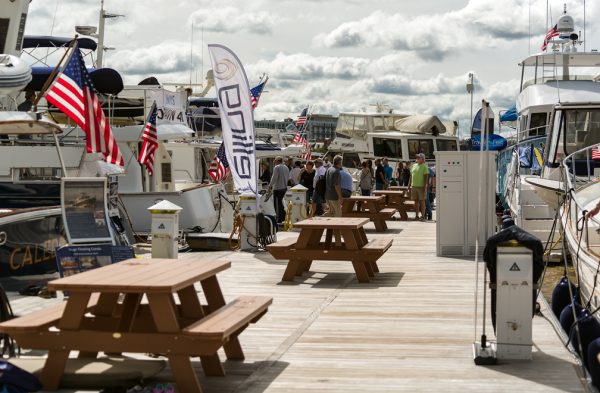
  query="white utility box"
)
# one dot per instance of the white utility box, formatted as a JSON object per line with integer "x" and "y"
{"x": 457, "y": 181}
{"x": 165, "y": 229}
{"x": 514, "y": 302}
{"x": 248, "y": 212}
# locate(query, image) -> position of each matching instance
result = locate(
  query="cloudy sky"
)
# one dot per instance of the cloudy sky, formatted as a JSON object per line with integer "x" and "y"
{"x": 335, "y": 55}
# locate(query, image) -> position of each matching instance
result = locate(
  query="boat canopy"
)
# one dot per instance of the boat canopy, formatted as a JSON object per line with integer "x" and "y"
{"x": 46, "y": 41}
{"x": 22, "y": 123}
{"x": 106, "y": 80}
{"x": 420, "y": 124}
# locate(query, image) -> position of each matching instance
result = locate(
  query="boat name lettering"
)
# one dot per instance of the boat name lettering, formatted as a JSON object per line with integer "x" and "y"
{"x": 169, "y": 114}
{"x": 32, "y": 254}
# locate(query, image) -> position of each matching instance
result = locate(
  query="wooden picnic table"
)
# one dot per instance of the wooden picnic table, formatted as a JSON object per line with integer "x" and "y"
{"x": 399, "y": 188}
{"x": 371, "y": 207}
{"x": 120, "y": 322}
{"x": 396, "y": 199}
{"x": 350, "y": 244}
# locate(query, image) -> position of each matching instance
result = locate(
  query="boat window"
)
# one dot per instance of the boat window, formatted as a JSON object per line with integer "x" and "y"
{"x": 537, "y": 125}
{"x": 360, "y": 123}
{"x": 582, "y": 129}
{"x": 446, "y": 145}
{"x": 378, "y": 123}
{"x": 424, "y": 146}
{"x": 387, "y": 147}
{"x": 351, "y": 160}
{"x": 39, "y": 173}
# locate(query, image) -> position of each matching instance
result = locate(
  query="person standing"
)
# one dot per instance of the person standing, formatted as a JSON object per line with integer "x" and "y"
{"x": 406, "y": 174}
{"x": 278, "y": 185}
{"x": 419, "y": 174}
{"x": 365, "y": 179}
{"x": 346, "y": 183}
{"x": 430, "y": 194}
{"x": 265, "y": 176}
{"x": 333, "y": 187}
{"x": 307, "y": 177}
{"x": 318, "y": 200}
{"x": 295, "y": 173}
{"x": 389, "y": 171}
{"x": 380, "y": 180}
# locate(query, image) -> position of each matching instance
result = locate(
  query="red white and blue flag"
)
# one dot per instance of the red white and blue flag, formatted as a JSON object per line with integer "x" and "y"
{"x": 256, "y": 91}
{"x": 596, "y": 153}
{"x": 301, "y": 121}
{"x": 73, "y": 93}
{"x": 553, "y": 32}
{"x": 150, "y": 141}
{"x": 300, "y": 140}
{"x": 219, "y": 168}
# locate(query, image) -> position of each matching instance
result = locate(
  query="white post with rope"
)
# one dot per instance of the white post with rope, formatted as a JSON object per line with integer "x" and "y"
{"x": 298, "y": 204}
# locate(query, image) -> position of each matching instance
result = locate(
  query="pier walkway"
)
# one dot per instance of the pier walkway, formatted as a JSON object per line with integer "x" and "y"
{"x": 408, "y": 330}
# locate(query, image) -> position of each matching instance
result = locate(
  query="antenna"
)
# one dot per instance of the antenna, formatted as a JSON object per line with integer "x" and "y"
{"x": 191, "y": 53}
{"x": 584, "y": 36}
{"x": 529, "y": 33}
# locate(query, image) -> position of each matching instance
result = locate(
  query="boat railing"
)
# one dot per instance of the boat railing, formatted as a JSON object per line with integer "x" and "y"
{"x": 533, "y": 132}
{"x": 579, "y": 170}
{"x": 559, "y": 78}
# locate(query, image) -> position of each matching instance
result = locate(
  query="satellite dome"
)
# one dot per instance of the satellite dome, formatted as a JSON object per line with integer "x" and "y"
{"x": 565, "y": 24}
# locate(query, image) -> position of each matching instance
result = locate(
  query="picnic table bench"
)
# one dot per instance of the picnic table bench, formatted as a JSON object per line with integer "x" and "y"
{"x": 94, "y": 319}
{"x": 371, "y": 207}
{"x": 399, "y": 200}
{"x": 350, "y": 244}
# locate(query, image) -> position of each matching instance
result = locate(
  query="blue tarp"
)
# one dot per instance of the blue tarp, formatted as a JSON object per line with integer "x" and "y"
{"x": 509, "y": 115}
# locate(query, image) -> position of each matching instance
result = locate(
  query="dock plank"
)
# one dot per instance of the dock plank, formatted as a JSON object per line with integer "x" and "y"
{"x": 408, "y": 330}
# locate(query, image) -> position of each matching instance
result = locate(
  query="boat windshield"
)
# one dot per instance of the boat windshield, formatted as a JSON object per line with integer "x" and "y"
{"x": 574, "y": 129}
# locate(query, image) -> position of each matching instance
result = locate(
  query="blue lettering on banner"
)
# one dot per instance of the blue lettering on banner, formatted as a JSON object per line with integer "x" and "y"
{"x": 170, "y": 99}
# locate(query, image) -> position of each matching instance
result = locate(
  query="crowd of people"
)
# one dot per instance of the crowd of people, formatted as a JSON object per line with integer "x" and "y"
{"x": 328, "y": 182}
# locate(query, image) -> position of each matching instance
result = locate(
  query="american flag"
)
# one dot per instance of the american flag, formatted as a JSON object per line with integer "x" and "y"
{"x": 255, "y": 93}
{"x": 150, "y": 141}
{"x": 302, "y": 118}
{"x": 73, "y": 93}
{"x": 553, "y": 32}
{"x": 596, "y": 153}
{"x": 219, "y": 168}
{"x": 300, "y": 140}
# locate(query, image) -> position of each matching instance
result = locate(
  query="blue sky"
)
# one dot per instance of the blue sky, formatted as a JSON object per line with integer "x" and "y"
{"x": 336, "y": 55}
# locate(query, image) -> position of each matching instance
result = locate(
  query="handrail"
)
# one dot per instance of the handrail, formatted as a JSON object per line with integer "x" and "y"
{"x": 574, "y": 182}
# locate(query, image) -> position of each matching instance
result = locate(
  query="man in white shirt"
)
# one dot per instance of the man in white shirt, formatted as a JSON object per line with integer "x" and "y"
{"x": 295, "y": 173}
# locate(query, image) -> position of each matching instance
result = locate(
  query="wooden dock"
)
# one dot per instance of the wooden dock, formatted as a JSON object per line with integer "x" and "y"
{"x": 410, "y": 329}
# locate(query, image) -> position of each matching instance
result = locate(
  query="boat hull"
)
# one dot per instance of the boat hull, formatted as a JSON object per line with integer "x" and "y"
{"x": 29, "y": 240}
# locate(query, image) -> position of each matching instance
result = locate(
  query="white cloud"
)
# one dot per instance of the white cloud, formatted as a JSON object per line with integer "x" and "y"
{"x": 165, "y": 58}
{"x": 233, "y": 20}
{"x": 480, "y": 24}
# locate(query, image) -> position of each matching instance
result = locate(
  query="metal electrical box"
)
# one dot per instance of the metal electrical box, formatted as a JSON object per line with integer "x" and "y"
{"x": 514, "y": 302}
{"x": 457, "y": 199}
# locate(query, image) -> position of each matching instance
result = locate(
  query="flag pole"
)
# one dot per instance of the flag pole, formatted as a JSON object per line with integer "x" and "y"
{"x": 53, "y": 74}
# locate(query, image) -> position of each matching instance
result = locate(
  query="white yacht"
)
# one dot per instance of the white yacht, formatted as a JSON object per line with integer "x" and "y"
{"x": 399, "y": 137}
{"x": 556, "y": 116}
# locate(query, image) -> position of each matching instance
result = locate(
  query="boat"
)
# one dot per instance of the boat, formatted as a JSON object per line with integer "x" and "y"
{"x": 399, "y": 137}
{"x": 562, "y": 90}
{"x": 580, "y": 173}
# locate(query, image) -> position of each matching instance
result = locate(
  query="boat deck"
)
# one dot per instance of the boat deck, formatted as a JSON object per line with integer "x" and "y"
{"x": 409, "y": 330}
